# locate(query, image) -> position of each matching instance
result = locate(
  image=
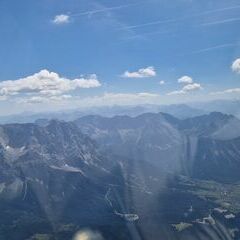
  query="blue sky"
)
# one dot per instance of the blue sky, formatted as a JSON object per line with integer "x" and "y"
{"x": 58, "y": 54}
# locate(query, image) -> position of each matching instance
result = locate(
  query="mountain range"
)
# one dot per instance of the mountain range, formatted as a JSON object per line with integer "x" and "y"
{"x": 181, "y": 111}
{"x": 128, "y": 177}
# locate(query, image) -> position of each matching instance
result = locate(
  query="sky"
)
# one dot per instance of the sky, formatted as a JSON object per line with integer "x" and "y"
{"x": 58, "y": 54}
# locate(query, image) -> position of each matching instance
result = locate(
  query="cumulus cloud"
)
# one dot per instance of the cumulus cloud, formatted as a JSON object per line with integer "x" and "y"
{"x": 141, "y": 73}
{"x": 46, "y": 83}
{"x": 187, "y": 88}
{"x": 185, "y": 80}
{"x": 162, "y": 82}
{"x": 236, "y": 66}
{"x": 192, "y": 87}
{"x": 61, "y": 19}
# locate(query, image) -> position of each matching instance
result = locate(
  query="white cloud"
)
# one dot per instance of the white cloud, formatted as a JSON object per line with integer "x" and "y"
{"x": 106, "y": 99}
{"x": 236, "y": 66}
{"x": 227, "y": 91}
{"x": 44, "y": 99}
{"x": 187, "y": 88}
{"x": 177, "y": 92}
{"x": 162, "y": 82}
{"x": 109, "y": 99}
{"x": 46, "y": 83}
{"x": 123, "y": 98}
{"x": 192, "y": 87}
{"x": 61, "y": 19}
{"x": 146, "y": 94}
{"x": 44, "y": 86}
{"x": 141, "y": 73}
{"x": 185, "y": 80}
{"x": 32, "y": 100}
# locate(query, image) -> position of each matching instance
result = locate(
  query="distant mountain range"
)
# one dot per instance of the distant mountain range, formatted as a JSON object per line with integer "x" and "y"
{"x": 141, "y": 176}
{"x": 181, "y": 111}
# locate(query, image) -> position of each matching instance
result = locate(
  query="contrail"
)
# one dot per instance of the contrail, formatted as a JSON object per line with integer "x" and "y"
{"x": 221, "y": 9}
{"x": 221, "y": 22}
{"x": 106, "y": 9}
{"x": 151, "y": 23}
{"x": 227, "y": 45}
{"x": 180, "y": 19}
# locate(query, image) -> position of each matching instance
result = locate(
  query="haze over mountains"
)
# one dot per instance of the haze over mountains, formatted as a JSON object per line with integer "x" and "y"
{"x": 119, "y": 120}
{"x": 129, "y": 177}
{"x": 181, "y": 111}
{"x": 193, "y": 144}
